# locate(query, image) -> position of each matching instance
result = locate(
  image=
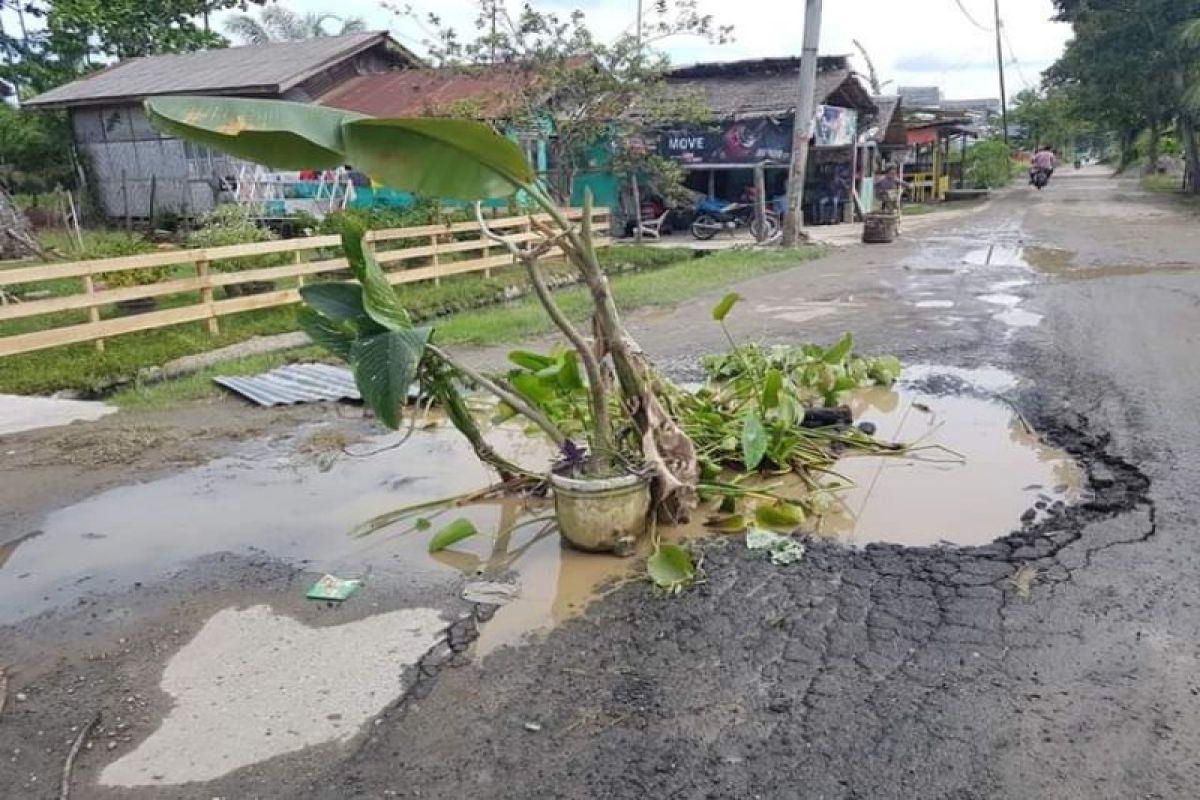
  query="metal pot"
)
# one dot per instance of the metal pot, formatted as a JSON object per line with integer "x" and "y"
{"x": 602, "y": 515}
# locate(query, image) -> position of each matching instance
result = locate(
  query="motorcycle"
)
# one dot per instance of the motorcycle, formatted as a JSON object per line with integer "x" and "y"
{"x": 1039, "y": 177}
{"x": 714, "y": 216}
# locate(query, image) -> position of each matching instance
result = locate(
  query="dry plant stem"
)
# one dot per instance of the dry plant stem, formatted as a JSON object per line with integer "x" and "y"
{"x": 69, "y": 764}
{"x": 666, "y": 447}
{"x": 504, "y": 393}
{"x": 603, "y": 447}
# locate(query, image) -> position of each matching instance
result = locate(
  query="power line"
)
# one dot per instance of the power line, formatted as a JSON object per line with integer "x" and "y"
{"x": 1013, "y": 55}
{"x": 972, "y": 19}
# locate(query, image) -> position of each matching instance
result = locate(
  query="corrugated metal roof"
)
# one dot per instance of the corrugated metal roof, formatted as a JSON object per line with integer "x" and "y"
{"x": 485, "y": 94}
{"x": 764, "y": 87}
{"x": 261, "y": 69}
{"x": 295, "y": 383}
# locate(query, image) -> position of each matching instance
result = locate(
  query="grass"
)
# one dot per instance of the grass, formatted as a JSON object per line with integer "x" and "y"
{"x": 663, "y": 287}
{"x": 1171, "y": 185}
{"x": 676, "y": 277}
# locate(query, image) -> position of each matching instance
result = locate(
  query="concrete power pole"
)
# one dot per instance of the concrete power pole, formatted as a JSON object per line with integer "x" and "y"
{"x": 1000, "y": 64}
{"x": 793, "y": 221}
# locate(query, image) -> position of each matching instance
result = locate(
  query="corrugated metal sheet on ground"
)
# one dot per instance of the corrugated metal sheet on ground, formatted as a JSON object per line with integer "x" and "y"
{"x": 294, "y": 383}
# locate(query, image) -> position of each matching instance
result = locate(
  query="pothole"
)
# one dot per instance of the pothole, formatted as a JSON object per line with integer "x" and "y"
{"x": 1002, "y": 476}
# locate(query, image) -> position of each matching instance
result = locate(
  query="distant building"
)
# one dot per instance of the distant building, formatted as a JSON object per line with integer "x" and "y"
{"x": 980, "y": 109}
{"x": 135, "y": 165}
{"x": 921, "y": 96}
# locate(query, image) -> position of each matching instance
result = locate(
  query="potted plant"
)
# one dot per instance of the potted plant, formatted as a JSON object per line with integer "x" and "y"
{"x": 227, "y": 225}
{"x": 629, "y": 459}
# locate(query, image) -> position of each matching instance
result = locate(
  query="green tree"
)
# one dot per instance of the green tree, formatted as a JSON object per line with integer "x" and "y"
{"x": 278, "y": 24}
{"x": 75, "y": 36}
{"x": 35, "y": 151}
{"x": 1131, "y": 67}
{"x": 594, "y": 91}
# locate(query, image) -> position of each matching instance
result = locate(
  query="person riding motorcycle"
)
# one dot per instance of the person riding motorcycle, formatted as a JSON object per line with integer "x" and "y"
{"x": 1043, "y": 161}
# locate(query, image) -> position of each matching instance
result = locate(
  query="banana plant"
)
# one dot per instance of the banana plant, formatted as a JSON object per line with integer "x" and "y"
{"x": 463, "y": 160}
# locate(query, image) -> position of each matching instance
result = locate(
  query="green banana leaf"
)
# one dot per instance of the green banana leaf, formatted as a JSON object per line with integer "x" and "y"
{"x": 455, "y": 158}
{"x": 385, "y": 365}
{"x": 446, "y": 158}
{"x": 277, "y": 133}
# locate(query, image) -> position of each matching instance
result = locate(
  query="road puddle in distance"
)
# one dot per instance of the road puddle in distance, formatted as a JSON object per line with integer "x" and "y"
{"x": 933, "y": 496}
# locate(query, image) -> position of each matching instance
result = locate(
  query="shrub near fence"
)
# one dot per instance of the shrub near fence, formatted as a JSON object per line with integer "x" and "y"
{"x": 452, "y": 249}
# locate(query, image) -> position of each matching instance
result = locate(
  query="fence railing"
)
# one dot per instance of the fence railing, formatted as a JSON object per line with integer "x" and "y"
{"x": 443, "y": 250}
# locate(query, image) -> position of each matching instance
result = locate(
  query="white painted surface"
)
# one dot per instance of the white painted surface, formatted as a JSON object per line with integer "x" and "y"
{"x": 254, "y": 684}
{"x": 19, "y": 413}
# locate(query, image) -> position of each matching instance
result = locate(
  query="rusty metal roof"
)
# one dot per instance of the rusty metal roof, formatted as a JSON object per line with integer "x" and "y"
{"x": 295, "y": 383}
{"x": 477, "y": 92}
{"x": 270, "y": 70}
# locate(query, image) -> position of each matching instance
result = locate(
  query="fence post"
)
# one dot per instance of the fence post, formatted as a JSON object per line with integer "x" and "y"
{"x": 437, "y": 278}
{"x": 298, "y": 258}
{"x": 206, "y": 296}
{"x": 89, "y": 286}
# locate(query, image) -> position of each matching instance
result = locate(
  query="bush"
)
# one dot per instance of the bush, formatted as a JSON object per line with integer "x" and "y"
{"x": 989, "y": 165}
{"x": 228, "y": 225}
{"x": 120, "y": 244}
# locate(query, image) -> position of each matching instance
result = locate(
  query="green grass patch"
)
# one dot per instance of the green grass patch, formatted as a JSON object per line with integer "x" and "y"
{"x": 667, "y": 286}
{"x": 641, "y": 276}
{"x": 1171, "y": 186}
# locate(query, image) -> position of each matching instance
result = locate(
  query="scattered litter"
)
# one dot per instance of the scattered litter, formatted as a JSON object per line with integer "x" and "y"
{"x": 1022, "y": 581}
{"x": 491, "y": 593}
{"x": 533, "y": 727}
{"x": 332, "y": 588}
{"x": 294, "y": 383}
{"x": 783, "y": 549}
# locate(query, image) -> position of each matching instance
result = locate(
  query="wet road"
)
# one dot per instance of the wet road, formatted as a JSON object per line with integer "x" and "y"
{"x": 1059, "y": 662}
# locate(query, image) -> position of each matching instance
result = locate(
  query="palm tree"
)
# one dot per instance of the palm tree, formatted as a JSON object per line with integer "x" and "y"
{"x": 277, "y": 24}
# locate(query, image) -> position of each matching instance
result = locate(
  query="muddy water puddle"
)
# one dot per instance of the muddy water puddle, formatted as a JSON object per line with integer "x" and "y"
{"x": 281, "y": 499}
{"x": 1064, "y": 264}
{"x": 993, "y": 470}
{"x": 276, "y": 497}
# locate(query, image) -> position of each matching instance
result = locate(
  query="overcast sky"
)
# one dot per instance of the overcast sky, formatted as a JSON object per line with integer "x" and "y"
{"x": 913, "y": 42}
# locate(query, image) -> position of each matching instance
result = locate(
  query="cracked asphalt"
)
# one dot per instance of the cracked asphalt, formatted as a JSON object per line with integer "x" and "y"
{"x": 883, "y": 672}
{"x": 889, "y": 672}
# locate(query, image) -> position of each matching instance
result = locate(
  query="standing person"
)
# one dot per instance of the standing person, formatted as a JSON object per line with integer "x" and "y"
{"x": 1043, "y": 161}
{"x": 889, "y": 188}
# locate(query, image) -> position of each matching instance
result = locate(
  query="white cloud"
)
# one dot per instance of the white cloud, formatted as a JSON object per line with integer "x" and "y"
{"x": 913, "y": 42}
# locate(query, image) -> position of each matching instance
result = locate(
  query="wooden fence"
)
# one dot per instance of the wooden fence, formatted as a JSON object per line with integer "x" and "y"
{"x": 197, "y": 282}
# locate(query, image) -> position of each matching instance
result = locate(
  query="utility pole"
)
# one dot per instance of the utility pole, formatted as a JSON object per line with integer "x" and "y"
{"x": 802, "y": 127}
{"x": 1000, "y": 64}
{"x": 639, "y": 28}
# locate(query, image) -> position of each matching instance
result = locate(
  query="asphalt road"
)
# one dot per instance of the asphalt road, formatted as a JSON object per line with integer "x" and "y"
{"x": 876, "y": 673}
{"x": 890, "y": 673}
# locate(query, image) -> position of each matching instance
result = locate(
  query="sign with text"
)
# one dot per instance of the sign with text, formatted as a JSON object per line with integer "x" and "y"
{"x": 756, "y": 140}
{"x": 743, "y": 142}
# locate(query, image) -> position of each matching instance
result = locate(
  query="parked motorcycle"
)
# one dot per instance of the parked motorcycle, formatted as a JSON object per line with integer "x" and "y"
{"x": 714, "y": 216}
